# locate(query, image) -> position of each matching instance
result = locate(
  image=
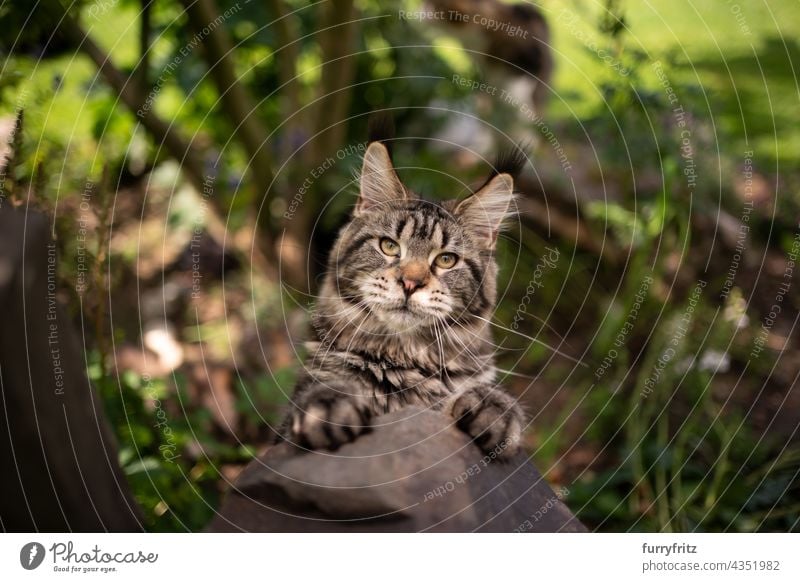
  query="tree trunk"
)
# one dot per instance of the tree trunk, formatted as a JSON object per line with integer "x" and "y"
{"x": 58, "y": 457}
{"x": 206, "y": 20}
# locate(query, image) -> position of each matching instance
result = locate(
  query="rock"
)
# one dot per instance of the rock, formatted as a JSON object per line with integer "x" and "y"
{"x": 413, "y": 472}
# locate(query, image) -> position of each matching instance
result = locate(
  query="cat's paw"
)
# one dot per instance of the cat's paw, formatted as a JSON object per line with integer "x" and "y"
{"x": 492, "y": 418}
{"x": 329, "y": 421}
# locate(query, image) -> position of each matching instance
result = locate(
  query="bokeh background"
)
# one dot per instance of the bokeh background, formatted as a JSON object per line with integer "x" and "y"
{"x": 196, "y": 158}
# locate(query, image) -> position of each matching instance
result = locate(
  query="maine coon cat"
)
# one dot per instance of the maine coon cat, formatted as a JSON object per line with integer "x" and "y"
{"x": 403, "y": 314}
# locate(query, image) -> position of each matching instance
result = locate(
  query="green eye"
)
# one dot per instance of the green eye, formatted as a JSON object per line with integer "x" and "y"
{"x": 389, "y": 247}
{"x": 446, "y": 260}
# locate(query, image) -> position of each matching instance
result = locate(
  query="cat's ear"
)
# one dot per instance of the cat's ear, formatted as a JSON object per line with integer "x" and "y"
{"x": 484, "y": 211}
{"x": 379, "y": 182}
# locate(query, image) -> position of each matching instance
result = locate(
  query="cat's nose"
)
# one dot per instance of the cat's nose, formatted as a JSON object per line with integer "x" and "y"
{"x": 412, "y": 276}
{"x": 411, "y": 284}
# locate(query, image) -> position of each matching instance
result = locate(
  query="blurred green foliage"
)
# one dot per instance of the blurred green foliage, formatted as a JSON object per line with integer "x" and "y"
{"x": 167, "y": 449}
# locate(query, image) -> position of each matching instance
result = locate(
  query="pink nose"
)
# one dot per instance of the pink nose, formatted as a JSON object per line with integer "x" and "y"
{"x": 411, "y": 285}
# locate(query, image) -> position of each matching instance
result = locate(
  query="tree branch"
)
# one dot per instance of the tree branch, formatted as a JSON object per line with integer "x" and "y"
{"x": 337, "y": 41}
{"x": 287, "y": 31}
{"x": 191, "y": 159}
{"x": 185, "y": 152}
{"x": 145, "y": 31}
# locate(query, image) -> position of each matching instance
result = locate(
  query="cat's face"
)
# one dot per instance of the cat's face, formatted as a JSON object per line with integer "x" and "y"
{"x": 415, "y": 264}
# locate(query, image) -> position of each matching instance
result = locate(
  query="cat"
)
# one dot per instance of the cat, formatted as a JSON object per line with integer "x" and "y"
{"x": 403, "y": 314}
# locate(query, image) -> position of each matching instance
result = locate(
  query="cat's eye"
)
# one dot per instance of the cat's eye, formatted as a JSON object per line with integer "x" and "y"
{"x": 446, "y": 260}
{"x": 389, "y": 247}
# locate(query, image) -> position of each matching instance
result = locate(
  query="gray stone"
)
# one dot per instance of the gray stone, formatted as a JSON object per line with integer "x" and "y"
{"x": 413, "y": 472}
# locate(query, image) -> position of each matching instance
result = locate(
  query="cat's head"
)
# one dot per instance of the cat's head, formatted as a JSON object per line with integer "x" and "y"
{"x": 415, "y": 264}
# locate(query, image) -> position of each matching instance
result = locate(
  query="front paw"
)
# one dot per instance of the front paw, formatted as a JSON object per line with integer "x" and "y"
{"x": 329, "y": 421}
{"x": 492, "y": 418}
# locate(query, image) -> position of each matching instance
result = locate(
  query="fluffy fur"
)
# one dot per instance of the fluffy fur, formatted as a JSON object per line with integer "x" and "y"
{"x": 397, "y": 324}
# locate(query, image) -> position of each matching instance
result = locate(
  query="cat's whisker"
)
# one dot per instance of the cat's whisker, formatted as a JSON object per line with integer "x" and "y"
{"x": 550, "y": 328}
{"x": 533, "y": 339}
{"x": 358, "y": 307}
{"x": 345, "y": 323}
{"x": 517, "y": 374}
{"x": 466, "y": 350}
{"x": 354, "y": 335}
{"x": 470, "y": 354}
{"x": 440, "y": 344}
{"x": 341, "y": 278}
{"x": 285, "y": 285}
{"x": 479, "y": 337}
{"x": 497, "y": 347}
{"x": 316, "y": 298}
{"x": 320, "y": 358}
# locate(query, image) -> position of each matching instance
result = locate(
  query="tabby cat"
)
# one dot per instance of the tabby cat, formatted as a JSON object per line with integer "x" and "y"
{"x": 403, "y": 315}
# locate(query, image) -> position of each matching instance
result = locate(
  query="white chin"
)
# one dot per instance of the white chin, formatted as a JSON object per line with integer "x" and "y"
{"x": 401, "y": 320}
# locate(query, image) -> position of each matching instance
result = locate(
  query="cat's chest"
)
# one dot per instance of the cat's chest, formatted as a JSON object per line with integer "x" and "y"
{"x": 394, "y": 385}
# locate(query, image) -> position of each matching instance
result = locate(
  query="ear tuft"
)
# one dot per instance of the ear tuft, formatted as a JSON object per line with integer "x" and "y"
{"x": 483, "y": 212}
{"x": 379, "y": 183}
{"x": 510, "y": 160}
{"x": 380, "y": 127}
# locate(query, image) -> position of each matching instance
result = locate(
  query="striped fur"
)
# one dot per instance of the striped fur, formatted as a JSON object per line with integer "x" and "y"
{"x": 395, "y": 324}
